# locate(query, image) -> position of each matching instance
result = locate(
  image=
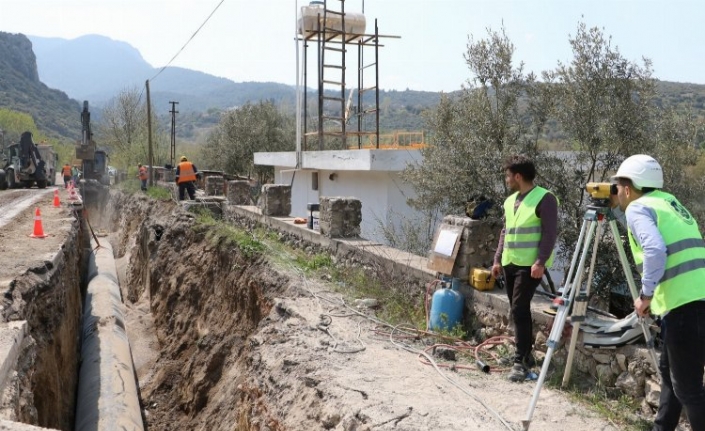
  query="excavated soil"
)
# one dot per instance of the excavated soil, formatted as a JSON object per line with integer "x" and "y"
{"x": 223, "y": 341}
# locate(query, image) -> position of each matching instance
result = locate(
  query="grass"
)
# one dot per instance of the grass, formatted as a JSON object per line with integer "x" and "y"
{"x": 399, "y": 302}
{"x": 619, "y": 411}
{"x": 224, "y": 234}
{"x": 154, "y": 192}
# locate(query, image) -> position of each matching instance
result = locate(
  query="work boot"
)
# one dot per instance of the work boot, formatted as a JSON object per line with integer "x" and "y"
{"x": 518, "y": 373}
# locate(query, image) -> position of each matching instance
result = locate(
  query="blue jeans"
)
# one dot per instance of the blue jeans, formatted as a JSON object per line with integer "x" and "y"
{"x": 681, "y": 366}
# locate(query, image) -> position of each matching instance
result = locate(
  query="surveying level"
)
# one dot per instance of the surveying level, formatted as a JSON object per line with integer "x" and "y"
{"x": 576, "y": 294}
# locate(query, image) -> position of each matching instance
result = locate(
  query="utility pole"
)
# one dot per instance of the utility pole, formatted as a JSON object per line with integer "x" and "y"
{"x": 173, "y": 131}
{"x": 149, "y": 137}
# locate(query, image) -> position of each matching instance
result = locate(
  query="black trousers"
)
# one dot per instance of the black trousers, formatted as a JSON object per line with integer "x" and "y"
{"x": 520, "y": 290}
{"x": 187, "y": 186}
{"x": 681, "y": 365}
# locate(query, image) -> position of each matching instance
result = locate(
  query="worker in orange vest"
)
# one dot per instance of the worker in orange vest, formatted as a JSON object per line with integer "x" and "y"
{"x": 66, "y": 172}
{"x": 142, "y": 174}
{"x": 186, "y": 177}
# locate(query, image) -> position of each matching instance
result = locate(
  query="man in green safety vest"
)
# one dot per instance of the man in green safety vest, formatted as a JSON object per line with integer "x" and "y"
{"x": 670, "y": 255}
{"x": 524, "y": 252}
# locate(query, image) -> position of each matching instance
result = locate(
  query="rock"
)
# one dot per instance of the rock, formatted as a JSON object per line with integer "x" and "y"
{"x": 622, "y": 361}
{"x": 653, "y": 392}
{"x": 602, "y": 358}
{"x": 540, "y": 341}
{"x": 330, "y": 420}
{"x": 604, "y": 374}
{"x": 584, "y": 364}
{"x": 366, "y": 303}
{"x": 630, "y": 384}
{"x": 646, "y": 408}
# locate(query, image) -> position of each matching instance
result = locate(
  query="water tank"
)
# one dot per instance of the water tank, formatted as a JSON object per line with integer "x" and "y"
{"x": 308, "y": 20}
{"x": 446, "y": 307}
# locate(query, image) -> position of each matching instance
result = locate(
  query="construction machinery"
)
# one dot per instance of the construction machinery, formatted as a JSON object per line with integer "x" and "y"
{"x": 94, "y": 161}
{"x": 23, "y": 165}
{"x": 51, "y": 160}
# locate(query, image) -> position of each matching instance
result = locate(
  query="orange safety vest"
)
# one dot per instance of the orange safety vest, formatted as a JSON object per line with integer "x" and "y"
{"x": 66, "y": 171}
{"x": 143, "y": 173}
{"x": 186, "y": 172}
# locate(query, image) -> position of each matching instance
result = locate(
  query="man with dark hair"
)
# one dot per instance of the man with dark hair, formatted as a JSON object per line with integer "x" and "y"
{"x": 524, "y": 251}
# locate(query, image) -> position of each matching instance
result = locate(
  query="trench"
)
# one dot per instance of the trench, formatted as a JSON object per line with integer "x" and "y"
{"x": 192, "y": 300}
{"x": 213, "y": 344}
{"x": 187, "y": 302}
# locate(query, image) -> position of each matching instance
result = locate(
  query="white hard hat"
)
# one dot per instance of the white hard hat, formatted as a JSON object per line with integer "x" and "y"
{"x": 642, "y": 170}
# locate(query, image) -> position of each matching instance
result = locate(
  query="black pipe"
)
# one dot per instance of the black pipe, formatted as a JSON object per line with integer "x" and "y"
{"x": 482, "y": 366}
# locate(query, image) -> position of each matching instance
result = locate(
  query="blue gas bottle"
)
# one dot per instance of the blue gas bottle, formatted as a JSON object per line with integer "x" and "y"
{"x": 447, "y": 306}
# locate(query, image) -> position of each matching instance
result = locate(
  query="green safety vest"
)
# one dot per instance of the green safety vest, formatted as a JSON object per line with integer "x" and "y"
{"x": 522, "y": 230}
{"x": 683, "y": 280}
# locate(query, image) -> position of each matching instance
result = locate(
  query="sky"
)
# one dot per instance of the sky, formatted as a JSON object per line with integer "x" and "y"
{"x": 255, "y": 40}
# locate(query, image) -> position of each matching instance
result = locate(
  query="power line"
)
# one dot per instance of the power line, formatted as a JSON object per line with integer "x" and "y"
{"x": 188, "y": 41}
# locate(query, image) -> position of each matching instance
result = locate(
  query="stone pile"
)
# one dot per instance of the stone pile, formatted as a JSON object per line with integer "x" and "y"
{"x": 276, "y": 200}
{"x": 215, "y": 185}
{"x": 340, "y": 217}
{"x": 239, "y": 192}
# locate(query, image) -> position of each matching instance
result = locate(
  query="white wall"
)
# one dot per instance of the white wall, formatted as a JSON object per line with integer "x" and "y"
{"x": 383, "y": 196}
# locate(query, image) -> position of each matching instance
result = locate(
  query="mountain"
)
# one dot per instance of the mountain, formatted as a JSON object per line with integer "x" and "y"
{"x": 89, "y": 67}
{"x": 97, "y": 68}
{"x": 21, "y": 90}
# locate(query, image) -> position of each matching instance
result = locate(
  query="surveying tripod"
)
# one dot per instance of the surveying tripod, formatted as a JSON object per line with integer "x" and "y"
{"x": 577, "y": 294}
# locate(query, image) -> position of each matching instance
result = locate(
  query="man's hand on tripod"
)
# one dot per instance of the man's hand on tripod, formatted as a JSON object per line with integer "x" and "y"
{"x": 641, "y": 306}
{"x": 537, "y": 270}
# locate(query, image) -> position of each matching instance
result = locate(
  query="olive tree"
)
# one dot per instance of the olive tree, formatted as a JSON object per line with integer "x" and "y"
{"x": 498, "y": 112}
{"x": 245, "y": 130}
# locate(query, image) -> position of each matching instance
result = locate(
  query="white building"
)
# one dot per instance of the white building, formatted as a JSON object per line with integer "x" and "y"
{"x": 370, "y": 175}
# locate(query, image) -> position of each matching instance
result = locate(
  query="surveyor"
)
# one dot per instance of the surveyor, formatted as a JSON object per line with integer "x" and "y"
{"x": 524, "y": 252}
{"x": 66, "y": 173}
{"x": 669, "y": 252}
{"x": 142, "y": 175}
{"x": 185, "y": 177}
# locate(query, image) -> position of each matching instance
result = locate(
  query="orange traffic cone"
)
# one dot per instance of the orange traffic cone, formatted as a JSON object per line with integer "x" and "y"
{"x": 57, "y": 202}
{"x": 73, "y": 195}
{"x": 38, "y": 230}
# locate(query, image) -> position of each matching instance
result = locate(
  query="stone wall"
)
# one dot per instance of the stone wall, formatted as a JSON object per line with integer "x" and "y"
{"x": 478, "y": 243}
{"x": 215, "y": 186}
{"x": 276, "y": 200}
{"x": 340, "y": 217}
{"x": 239, "y": 193}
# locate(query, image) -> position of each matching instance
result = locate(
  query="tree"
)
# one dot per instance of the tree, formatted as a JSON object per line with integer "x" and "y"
{"x": 123, "y": 131}
{"x": 475, "y": 132}
{"x": 243, "y": 131}
{"x": 14, "y": 123}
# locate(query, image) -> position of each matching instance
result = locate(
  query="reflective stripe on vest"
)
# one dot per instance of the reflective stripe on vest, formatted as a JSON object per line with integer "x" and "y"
{"x": 523, "y": 229}
{"x": 186, "y": 172}
{"x": 683, "y": 278}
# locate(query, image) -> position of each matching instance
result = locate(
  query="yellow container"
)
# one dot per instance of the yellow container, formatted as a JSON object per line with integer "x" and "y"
{"x": 481, "y": 279}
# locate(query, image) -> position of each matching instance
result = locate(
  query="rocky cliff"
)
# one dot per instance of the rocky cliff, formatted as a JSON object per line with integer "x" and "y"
{"x": 20, "y": 90}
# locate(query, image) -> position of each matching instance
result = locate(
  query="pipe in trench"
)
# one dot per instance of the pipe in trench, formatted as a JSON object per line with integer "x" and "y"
{"x": 107, "y": 389}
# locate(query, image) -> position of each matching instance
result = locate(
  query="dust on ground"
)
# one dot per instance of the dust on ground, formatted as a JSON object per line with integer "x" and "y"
{"x": 223, "y": 342}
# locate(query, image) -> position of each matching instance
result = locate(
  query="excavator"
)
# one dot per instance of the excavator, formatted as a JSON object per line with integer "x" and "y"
{"x": 94, "y": 161}
{"x": 23, "y": 165}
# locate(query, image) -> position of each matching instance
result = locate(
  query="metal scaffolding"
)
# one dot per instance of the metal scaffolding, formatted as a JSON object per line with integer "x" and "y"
{"x": 334, "y": 111}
